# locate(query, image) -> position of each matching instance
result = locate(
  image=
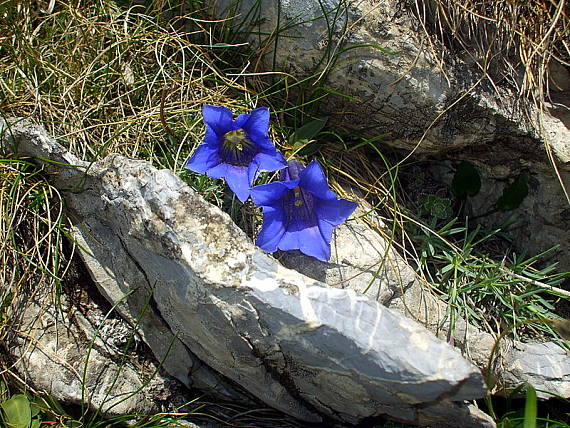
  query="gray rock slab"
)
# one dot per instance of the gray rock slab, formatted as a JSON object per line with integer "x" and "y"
{"x": 378, "y": 53}
{"x": 546, "y": 365}
{"x": 138, "y": 308}
{"x": 81, "y": 357}
{"x": 362, "y": 260}
{"x": 137, "y": 304}
{"x": 298, "y": 345}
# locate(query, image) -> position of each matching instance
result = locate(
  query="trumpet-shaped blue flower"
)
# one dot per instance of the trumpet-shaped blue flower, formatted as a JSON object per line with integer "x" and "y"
{"x": 300, "y": 212}
{"x": 236, "y": 150}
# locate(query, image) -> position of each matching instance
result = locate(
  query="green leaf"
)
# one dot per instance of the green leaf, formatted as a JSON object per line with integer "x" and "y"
{"x": 309, "y": 149}
{"x": 306, "y": 147}
{"x": 530, "y": 408}
{"x": 466, "y": 180}
{"x": 301, "y": 143}
{"x": 53, "y": 405}
{"x": 514, "y": 194}
{"x": 17, "y": 412}
{"x": 308, "y": 131}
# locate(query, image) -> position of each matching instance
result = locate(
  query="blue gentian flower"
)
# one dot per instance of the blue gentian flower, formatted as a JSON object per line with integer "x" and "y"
{"x": 236, "y": 150}
{"x": 300, "y": 211}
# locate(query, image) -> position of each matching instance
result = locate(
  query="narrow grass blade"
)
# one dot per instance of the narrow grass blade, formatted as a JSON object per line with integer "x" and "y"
{"x": 530, "y": 408}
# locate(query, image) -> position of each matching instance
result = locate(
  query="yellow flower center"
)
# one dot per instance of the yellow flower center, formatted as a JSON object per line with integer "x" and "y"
{"x": 235, "y": 140}
{"x": 237, "y": 149}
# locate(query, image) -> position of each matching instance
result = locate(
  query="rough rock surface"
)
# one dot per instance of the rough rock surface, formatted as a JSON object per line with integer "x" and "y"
{"x": 82, "y": 353}
{"x": 453, "y": 114}
{"x": 361, "y": 260}
{"x": 83, "y": 356}
{"x": 140, "y": 309}
{"x": 295, "y": 343}
{"x": 514, "y": 363}
{"x": 403, "y": 86}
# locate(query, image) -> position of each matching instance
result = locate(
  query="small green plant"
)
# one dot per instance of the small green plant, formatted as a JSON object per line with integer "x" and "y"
{"x": 514, "y": 194}
{"x": 19, "y": 412}
{"x": 301, "y": 141}
{"x": 437, "y": 207}
{"x": 522, "y": 409}
{"x": 466, "y": 180}
{"x": 460, "y": 261}
{"x": 453, "y": 259}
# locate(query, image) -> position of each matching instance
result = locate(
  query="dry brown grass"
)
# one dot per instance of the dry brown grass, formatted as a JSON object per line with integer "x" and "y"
{"x": 104, "y": 79}
{"x": 32, "y": 252}
{"x": 520, "y": 44}
{"x": 525, "y": 44}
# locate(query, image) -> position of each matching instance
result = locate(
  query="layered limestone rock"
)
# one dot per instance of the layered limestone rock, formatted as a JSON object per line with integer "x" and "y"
{"x": 364, "y": 261}
{"x": 85, "y": 357}
{"x": 298, "y": 345}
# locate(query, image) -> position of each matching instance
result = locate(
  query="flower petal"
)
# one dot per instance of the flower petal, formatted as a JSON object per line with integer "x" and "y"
{"x": 265, "y": 162}
{"x": 264, "y": 143}
{"x": 241, "y": 120}
{"x": 237, "y": 179}
{"x": 334, "y": 211}
{"x": 271, "y": 161}
{"x": 218, "y": 171}
{"x": 257, "y": 128}
{"x": 306, "y": 239}
{"x": 272, "y": 230}
{"x": 294, "y": 167}
{"x": 257, "y": 125}
{"x": 204, "y": 158}
{"x": 219, "y": 118}
{"x": 314, "y": 180}
{"x": 271, "y": 193}
{"x": 212, "y": 138}
{"x": 252, "y": 172}
{"x": 326, "y": 229}
{"x": 314, "y": 245}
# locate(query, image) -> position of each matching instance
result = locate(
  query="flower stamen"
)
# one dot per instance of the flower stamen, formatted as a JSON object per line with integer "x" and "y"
{"x": 298, "y": 205}
{"x": 237, "y": 149}
{"x": 235, "y": 139}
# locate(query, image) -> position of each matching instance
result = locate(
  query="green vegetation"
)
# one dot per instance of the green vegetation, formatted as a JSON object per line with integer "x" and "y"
{"x": 19, "y": 412}
{"x": 23, "y": 410}
{"x": 459, "y": 261}
{"x": 105, "y": 77}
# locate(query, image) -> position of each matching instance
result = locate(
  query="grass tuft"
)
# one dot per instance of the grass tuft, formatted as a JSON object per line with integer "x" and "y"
{"x": 108, "y": 80}
{"x": 519, "y": 42}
